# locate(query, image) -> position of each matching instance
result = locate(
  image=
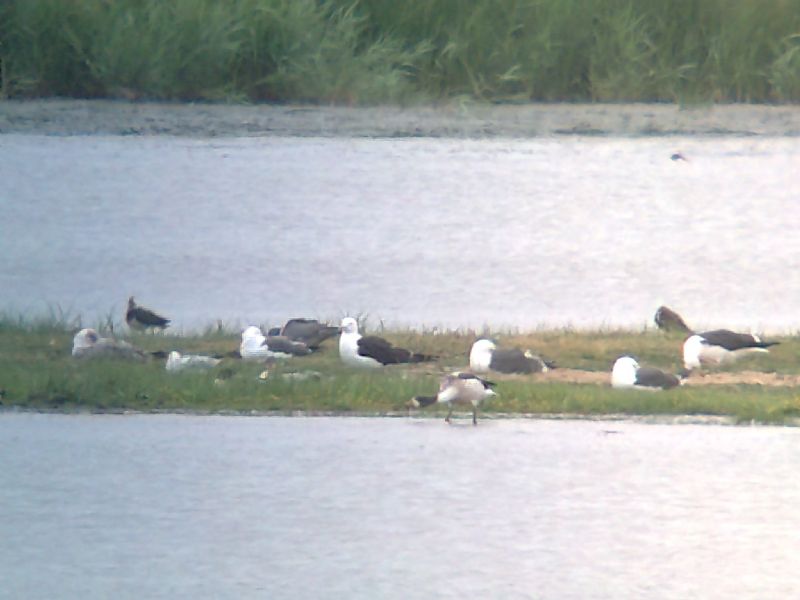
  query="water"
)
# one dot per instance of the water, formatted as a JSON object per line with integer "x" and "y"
{"x": 232, "y": 507}
{"x": 420, "y": 232}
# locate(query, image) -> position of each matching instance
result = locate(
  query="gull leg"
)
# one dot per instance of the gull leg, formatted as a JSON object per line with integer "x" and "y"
{"x": 449, "y": 414}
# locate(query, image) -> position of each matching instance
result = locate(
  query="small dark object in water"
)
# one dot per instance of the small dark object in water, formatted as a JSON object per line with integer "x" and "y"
{"x": 678, "y": 156}
{"x": 668, "y": 320}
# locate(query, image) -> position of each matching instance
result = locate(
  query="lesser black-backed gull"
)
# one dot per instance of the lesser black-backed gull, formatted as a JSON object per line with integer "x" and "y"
{"x": 356, "y": 350}
{"x": 720, "y": 346}
{"x": 628, "y": 374}
{"x": 485, "y": 356}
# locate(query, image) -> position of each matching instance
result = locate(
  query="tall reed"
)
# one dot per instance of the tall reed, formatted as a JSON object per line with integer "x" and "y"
{"x": 373, "y": 51}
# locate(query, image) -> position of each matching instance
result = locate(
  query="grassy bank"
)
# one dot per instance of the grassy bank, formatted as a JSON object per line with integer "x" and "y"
{"x": 37, "y": 372}
{"x": 372, "y": 51}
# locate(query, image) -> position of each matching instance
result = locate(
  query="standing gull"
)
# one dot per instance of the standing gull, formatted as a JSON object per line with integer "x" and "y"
{"x": 255, "y": 346}
{"x": 485, "y": 356}
{"x": 458, "y": 388}
{"x": 627, "y": 374}
{"x": 369, "y": 351}
{"x": 668, "y": 320}
{"x": 719, "y": 347}
{"x": 142, "y": 319}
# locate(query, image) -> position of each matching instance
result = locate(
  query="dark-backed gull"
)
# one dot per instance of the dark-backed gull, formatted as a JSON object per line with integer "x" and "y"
{"x": 485, "y": 356}
{"x": 356, "y": 350}
{"x": 628, "y": 374}
{"x": 720, "y": 346}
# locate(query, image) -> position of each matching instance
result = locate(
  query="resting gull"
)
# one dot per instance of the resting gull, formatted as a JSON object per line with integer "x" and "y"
{"x": 87, "y": 344}
{"x": 485, "y": 356}
{"x": 309, "y": 331}
{"x": 356, "y": 350}
{"x": 142, "y": 319}
{"x": 627, "y": 374}
{"x": 255, "y": 346}
{"x": 181, "y": 362}
{"x": 458, "y": 388}
{"x": 720, "y": 346}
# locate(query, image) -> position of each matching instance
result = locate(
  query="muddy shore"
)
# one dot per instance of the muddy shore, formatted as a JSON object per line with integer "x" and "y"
{"x": 109, "y": 117}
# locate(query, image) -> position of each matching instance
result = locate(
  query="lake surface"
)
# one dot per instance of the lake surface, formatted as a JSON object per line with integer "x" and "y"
{"x": 554, "y": 231}
{"x": 145, "y": 506}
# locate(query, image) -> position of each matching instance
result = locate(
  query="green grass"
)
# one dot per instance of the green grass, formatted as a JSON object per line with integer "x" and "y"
{"x": 377, "y": 51}
{"x": 38, "y": 373}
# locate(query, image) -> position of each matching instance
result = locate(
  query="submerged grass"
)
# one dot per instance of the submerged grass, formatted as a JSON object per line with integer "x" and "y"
{"x": 372, "y": 51}
{"x": 38, "y": 373}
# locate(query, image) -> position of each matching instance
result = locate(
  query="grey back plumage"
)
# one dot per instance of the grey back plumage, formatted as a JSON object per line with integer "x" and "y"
{"x": 652, "y": 377}
{"x": 309, "y": 331}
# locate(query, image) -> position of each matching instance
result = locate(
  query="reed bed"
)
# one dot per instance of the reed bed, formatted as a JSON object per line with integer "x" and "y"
{"x": 383, "y": 51}
{"x": 38, "y": 373}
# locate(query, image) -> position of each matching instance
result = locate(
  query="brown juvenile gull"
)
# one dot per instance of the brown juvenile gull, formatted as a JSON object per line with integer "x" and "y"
{"x": 668, "y": 320}
{"x": 142, "y": 319}
{"x": 458, "y": 388}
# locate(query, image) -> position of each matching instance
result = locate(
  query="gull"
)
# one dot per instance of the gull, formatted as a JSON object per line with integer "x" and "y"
{"x": 485, "y": 356}
{"x": 668, "y": 320}
{"x": 181, "y": 362}
{"x": 719, "y": 347}
{"x": 142, "y": 319}
{"x": 88, "y": 344}
{"x": 371, "y": 351}
{"x": 628, "y": 374}
{"x": 458, "y": 388}
{"x": 255, "y": 346}
{"x": 309, "y": 331}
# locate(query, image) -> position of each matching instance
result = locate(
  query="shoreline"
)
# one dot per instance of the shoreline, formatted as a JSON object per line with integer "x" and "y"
{"x": 62, "y": 117}
{"x": 654, "y": 419}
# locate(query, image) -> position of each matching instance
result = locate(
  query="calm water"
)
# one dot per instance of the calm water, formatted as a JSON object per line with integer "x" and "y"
{"x": 231, "y": 507}
{"x": 582, "y": 231}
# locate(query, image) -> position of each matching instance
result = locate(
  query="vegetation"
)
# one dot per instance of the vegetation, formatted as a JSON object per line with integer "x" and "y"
{"x": 373, "y": 51}
{"x": 38, "y": 373}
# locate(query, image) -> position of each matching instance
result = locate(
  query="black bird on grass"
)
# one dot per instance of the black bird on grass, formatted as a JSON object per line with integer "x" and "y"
{"x": 140, "y": 318}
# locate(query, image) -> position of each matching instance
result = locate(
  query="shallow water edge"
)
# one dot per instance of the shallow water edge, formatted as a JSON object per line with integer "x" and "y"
{"x": 688, "y": 419}
{"x": 464, "y": 120}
